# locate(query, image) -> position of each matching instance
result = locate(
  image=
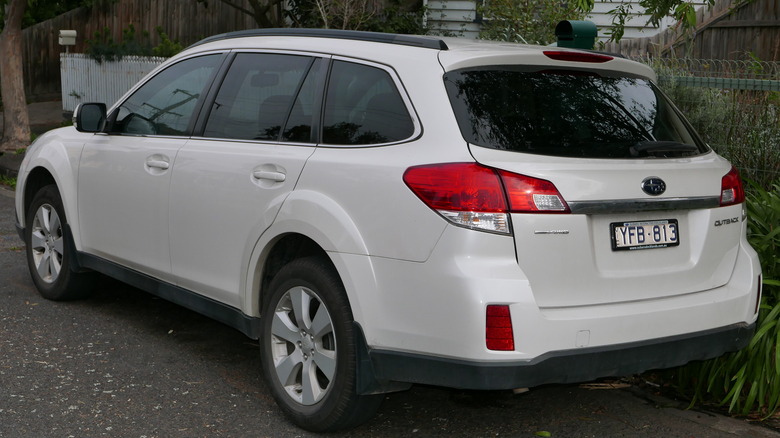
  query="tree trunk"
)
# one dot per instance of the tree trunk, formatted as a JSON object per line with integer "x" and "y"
{"x": 16, "y": 120}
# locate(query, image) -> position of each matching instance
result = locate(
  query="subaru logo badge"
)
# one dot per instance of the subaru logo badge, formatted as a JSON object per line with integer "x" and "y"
{"x": 653, "y": 186}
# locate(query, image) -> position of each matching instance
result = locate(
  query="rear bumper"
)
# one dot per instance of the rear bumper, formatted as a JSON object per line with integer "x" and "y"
{"x": 567, "y": 366}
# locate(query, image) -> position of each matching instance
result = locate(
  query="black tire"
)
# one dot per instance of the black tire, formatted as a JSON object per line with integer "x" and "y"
{"x": 47, "y": 250}
{"x": 326, "y": 402}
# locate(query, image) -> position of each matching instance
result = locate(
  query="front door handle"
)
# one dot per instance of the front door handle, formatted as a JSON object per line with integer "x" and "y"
{"x": 269, "y": 176}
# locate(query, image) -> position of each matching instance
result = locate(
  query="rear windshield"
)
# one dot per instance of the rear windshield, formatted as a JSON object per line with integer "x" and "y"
{"x": 567, "y": 114}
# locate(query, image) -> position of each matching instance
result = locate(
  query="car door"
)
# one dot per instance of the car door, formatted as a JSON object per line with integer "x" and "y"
{"x": 229, "y": 183}
{"x": 124, "y": 176}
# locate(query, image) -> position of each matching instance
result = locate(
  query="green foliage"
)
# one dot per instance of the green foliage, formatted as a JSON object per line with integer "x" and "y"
{"x": 743, "y": 126}
{"x": 682, "y": 11}
{"x": 103, "y": 48}
{"x": 38, "y": 11}
{"x": 394, "y": 18}
{"x": 748, "y": 381}
{"x": 356, "y": 15}
{"x": 8, "y": 181}
{"x": 166, "y": 48}
{"x": 527, "y": 21}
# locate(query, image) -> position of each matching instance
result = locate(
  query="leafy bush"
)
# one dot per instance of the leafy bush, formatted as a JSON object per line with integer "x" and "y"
{"x": 526, "y": 21}
{"x": 393, "y": 17}
{"x": 748, "y": 381}
{"x": 103, "y": 48}
{"x": 741, "y": 125}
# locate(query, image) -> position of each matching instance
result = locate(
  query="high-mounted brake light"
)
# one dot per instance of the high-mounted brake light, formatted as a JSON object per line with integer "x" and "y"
{"x": 731, "y": 189}
{"x": 480, "y": 197}
{"x": 498, "y": 328}
{"x": 575, "y": 56}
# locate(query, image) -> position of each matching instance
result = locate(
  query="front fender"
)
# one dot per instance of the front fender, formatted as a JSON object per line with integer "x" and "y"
{"x": 56, "y": 152}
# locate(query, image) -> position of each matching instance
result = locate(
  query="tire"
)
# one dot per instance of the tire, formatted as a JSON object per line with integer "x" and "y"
{"x": 47, "y": 255}
{"x": 308, "y": 349}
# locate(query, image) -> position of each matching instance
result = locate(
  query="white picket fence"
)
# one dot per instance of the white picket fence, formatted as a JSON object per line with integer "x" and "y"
{"x": 86, "y": 80}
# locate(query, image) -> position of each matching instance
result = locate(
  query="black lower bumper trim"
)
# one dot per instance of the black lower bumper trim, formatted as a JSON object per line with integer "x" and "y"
{"x": 567, "y": 366}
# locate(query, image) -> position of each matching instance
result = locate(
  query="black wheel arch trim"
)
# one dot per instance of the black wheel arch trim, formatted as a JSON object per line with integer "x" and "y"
{"x": 379, "y": 368}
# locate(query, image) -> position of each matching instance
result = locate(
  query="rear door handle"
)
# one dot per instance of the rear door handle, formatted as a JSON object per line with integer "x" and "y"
{"x": 269, "y": 176}
{"x": 158, "y": 164}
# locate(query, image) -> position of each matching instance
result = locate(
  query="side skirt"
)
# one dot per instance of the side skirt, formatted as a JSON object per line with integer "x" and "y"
{"x": 184, "y": 297}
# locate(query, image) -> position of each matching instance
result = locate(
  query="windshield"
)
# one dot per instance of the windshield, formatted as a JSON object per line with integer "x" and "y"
{"x": 567, "y": 113}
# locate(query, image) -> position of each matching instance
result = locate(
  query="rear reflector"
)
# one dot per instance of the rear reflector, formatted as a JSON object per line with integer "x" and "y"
{"x": 574, "y": 56}
{"x": 731, "y": 189}
{"x": 498, "y": 328}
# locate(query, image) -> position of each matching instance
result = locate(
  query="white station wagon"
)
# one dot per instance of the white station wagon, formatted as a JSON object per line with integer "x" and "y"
{"x": 382, "y": 210}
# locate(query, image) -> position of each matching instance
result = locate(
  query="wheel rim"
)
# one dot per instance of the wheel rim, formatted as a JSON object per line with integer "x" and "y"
{"x": 303, "y": 346}
{"x": 47, "y": 243}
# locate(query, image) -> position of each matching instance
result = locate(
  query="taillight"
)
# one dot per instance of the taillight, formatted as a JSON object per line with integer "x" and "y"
{"x": 480, "y": 197}
{"x": 574, "y": 56}
{"x": 731, "y": 190}
{"x": 498, "y": 328}
{"x": 532, "y": 195}
{"x": 466, "y": 194}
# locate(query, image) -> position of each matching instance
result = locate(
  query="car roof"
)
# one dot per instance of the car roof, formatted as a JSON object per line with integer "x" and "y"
{"x": 452, "y": 53}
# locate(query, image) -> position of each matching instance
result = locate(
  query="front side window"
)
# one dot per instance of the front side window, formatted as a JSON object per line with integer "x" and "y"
{"x": 567, "y": 113}
{"x": 260, "y": 93}
{"x": 165, "y": 104}
{"x": 363, "y": 106}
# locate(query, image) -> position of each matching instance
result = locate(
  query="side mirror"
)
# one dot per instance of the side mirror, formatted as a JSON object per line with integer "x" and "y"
{"x": 90, "y": 117}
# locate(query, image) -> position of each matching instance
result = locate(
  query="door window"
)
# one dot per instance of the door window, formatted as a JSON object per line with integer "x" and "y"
{"x": 258, "y": 96}
{"x": 164, "y": 105}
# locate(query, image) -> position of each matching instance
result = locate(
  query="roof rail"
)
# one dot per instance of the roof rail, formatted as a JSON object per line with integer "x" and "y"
{"x": 377, "y": 37}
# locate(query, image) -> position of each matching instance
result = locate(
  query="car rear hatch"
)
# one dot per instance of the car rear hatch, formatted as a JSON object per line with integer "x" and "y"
{"x": 644, "y": 209}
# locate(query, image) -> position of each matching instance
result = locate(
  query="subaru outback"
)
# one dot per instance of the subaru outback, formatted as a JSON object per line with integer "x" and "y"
{"x": 384, "y": 210}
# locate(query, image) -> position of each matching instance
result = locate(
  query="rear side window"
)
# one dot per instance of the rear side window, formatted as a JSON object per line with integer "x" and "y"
{"x": 259, "y": 94}
{"x": 567, "y": 114}
{"x": 363, "y": 106}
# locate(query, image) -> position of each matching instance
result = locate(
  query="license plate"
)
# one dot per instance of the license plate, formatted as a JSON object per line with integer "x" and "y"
{"x": 645, "y": 234}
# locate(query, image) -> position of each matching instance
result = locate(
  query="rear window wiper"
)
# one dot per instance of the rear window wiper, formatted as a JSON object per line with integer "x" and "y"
{"x": 661, "y": 149}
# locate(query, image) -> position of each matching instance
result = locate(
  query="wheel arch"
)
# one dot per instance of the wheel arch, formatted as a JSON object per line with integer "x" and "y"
{"x": 332, "y": 234}
{"x": 37, "y": 179}
{"x": 52, "y": 159}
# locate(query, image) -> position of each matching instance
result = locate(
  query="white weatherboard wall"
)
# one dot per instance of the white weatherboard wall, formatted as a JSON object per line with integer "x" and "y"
{"x": 86, "y": 80}
{"x": 452, "y": 18}
{"x": 456, "y": 18}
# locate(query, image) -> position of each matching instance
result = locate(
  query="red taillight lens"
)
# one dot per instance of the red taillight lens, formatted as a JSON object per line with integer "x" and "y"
{"x": 498, "y": 328}
{"x": 480, "y": 197}
{"x": 565, "y": 55}
{"x": 532, "y": 195}
{"x": 457, "y": 187}
{"x": 731, "y": 190}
